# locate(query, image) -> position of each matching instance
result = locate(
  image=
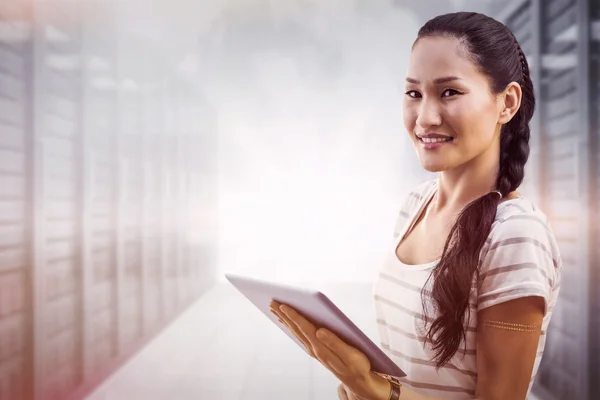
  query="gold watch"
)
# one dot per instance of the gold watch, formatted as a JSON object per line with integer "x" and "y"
{"x": 396, "y": 387}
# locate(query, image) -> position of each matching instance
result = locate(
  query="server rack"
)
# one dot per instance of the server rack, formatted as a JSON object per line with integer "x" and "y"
{"x": 521, "y": 17}
{"x": 556, "y": 37}
{"x": 128, "y": 215}
{"x": 99, "y": 167}
{"x": 57, "y": 233}
{"x": 594, "y": 51}
{"x": 565, "y": 129}
{"x": 15, "y": 208}
{"x": 152, "y": 208}
{"x": 97, "y": 200}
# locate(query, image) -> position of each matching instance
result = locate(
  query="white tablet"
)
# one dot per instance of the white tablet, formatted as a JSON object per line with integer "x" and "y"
{"x": 318, "y": 309}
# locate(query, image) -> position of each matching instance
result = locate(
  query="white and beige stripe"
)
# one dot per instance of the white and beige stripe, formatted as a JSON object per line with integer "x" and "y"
{"x": 519, "y": 258}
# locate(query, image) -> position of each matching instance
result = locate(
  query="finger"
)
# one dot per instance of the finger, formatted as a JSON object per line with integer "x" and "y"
{"x": 301, "y": 338}
{"x": 316, "y": 349}
{"x": 274, "y": 307}
{"x": 322, "y": 352}
{"x": 285, "y": 320}
{"x": 350, "y": 356}
{"x": 281, "y": 317}
{"x": 292, "y": 327}
{"x": 278, "y": 317}
{"x": 342, "y": 392}
{"x": 289, "y": 324}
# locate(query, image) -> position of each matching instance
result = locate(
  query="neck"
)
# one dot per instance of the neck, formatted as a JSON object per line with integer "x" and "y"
{"x": 461, "y": 185}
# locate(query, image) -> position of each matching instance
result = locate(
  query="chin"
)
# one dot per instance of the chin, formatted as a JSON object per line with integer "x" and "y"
{"x": 434, "y": 165}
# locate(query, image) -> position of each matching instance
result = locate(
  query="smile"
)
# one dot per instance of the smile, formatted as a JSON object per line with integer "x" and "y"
{"x": 436, "y": 140}
{"x": 434, "y": 143}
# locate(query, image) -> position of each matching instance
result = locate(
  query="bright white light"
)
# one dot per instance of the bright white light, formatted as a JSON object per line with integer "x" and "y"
{"x": 568, "y": 35}
{"x": 313, "y": 155}
{"x": 98, "y": 64}
{"x": 15, "y": 31}
{"x": 559, "y": 61}
{"x": 54, "y": 35}
{"x": 129, "y": 84}
{"x": 103, "y": 83}
{"x": 63, "y": 62}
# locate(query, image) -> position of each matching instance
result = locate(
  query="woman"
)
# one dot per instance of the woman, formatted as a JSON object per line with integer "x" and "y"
{"x": 464, "y": 299}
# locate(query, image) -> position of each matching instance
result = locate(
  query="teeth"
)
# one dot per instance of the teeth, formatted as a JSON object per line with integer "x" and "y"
{"x": 435, "y": 140}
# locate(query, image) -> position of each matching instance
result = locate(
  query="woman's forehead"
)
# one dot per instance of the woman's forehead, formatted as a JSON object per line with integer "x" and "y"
{"x": 435, "y": 57}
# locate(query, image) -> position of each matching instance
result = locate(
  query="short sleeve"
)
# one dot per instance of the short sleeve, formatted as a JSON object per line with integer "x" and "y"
{"x": 521, "y": 260}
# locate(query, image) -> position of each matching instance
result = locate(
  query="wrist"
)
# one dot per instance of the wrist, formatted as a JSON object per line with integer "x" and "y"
{"x": 382, "y": 387}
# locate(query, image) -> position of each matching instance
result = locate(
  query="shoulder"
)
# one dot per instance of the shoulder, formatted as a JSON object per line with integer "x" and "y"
{"x": 411, "y": 203}
{"x": 520, "y": 223}
{"x": 417, "y": 195}
{"x": 520, "y": 256}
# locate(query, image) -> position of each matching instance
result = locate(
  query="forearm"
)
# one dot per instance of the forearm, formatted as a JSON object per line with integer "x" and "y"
{"x": 407, "y": 394}
{"x": 384, "y": 388}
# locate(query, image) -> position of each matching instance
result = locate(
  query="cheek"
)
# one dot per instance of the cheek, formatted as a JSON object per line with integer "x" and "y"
{"x": 472, "y": 120}
{"x": 409, "y": 116}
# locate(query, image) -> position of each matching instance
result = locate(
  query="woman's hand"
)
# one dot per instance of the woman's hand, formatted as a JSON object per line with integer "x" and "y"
{"x": 347, "y": 363}
{"x": 346, "y": 394}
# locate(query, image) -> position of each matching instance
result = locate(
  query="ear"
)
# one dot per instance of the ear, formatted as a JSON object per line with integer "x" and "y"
{"x": 510, "y": 101}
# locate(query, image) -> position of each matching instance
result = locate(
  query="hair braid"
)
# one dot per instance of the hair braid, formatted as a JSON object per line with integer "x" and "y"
{"x": 514, "y": 142}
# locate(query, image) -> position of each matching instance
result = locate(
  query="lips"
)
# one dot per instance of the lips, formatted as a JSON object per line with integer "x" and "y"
{"x": 433, "y": 136}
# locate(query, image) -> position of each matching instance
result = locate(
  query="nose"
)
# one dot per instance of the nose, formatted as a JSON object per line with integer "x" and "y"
{"x": 428, "y": 114}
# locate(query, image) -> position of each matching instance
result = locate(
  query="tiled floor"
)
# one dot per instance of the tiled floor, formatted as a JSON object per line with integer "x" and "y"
{"x": 222, "y": 348}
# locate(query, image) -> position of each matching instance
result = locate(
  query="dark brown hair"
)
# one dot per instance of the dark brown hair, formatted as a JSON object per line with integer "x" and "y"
{"x": 492, "y": 47}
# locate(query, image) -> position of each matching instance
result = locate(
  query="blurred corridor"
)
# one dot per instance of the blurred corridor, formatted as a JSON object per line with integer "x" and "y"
{"x": 208, "y": 354}
{"x": 149, "y": 146}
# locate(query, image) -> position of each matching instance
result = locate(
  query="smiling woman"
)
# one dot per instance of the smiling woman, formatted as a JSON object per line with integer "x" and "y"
{"x": 465, "y": 296}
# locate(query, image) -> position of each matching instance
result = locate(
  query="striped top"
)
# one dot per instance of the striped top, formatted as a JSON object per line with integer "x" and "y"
{"x": 520, "y": 258}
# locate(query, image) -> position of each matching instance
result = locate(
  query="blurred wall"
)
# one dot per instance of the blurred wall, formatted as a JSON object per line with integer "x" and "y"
{"x": 105, "y": 155}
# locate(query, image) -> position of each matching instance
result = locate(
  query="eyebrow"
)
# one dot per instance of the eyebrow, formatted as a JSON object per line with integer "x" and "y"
{"x": 437, "y": 81}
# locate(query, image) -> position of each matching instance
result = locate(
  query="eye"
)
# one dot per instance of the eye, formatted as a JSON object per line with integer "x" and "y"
{"x": 451, "y": 91}
{"x": 413, "y": 94}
